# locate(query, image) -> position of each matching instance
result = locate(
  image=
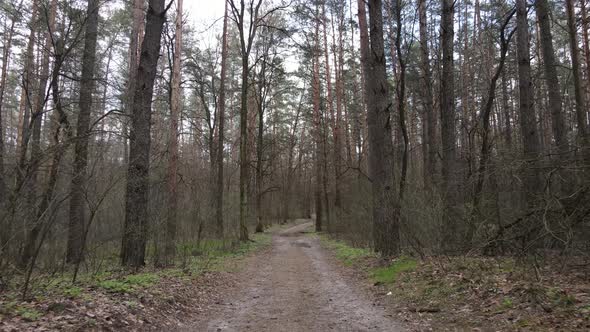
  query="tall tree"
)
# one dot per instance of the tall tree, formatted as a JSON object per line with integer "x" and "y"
{"x": 385, "y": 213}
{"x": 175, "y": 110}
{"x": 247, "y": 32}
{"x": 221, "y": 128}
{"x": 137, "y": 190}
{"x": 427, "y": 96}
{"x": 76, "y": 229}
{"x": 448, "y": 131}
{"x": 138, "y": 17}
{"x": 581, "y": 112}
{"x": 32, "y": 221}
{"x": 528, "y": 119}
{"x": 550, "y": 68}
{"x": 319, "y": 144}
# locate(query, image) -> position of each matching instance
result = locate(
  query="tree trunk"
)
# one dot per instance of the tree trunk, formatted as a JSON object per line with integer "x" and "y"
{"x": 32, "y": 222}
{"x": 430, "y": 123}
{"x": 6, "y": 233}
{"x": 319, "y": 153}
{"x": 220, "y": 131}
{"x": 451, "y": 238}
{"x": 175, "y": 111}
{"x": 134, "y": 50}
{"x": 550, "y": 69}
{"x": 528, "y": 119}
{"x": 401, "y": 98}
{"x": 578, "y": 89}
{"x": 136, "y": 204}
{"x": 385, "y": 213}
{"x": 77, "y": 224}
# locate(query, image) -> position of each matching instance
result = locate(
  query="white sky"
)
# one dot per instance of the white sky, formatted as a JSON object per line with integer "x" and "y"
{"x": 203, "y": 13}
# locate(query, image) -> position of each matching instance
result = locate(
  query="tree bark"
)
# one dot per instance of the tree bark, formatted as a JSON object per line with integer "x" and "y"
{"x": 77, "y": 224}
{"x": 428, "y": 102}
{"x": 137, "y": 190}
{"x": 553, "y": 87}
{"x": 528, "y": 119}
{"x": 578, "y": 89}
{"x": 319, "y": 153}
{"x": 7, "y": 230}
{"x": 451, "y": 237}
{"x": 385, "y": 211}
{"x": 220, "y": 131}
{"x": 175, "y": 111}
{"x": 138, "y": 18}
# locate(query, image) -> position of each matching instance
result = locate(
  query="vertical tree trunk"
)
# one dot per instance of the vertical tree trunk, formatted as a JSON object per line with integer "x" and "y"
{"x": 364, "y": 51}
{"x": 338, "y": 55}
{"x": 32, "y": 221}
{"x": 485, "y": 116}
{"x": 451, "y": 237}
{"x": 528, "y": 119}
{"x": 550, "y": 69}
{"x": 76, "y": 229}
{"x": 246, "y": 42}
{"x": 6, "y": 233}
{"x": 259, "y": 144}
{"x": 401, "y": 97}
{"x": 507, "y": 106}
{"x": 385, "y": 214}
{"x": 134, "y": 49}
{"x": 578, "y": 89}
{"x": 330, "y": 107}
{"x": 584, "y": 14}
{"x": 175, "y": 111}
{"x": 220, "y": 131}
{"x": 136, "y": 204}
{"x": 430, "y": 123}
{"x": 319, "y": 153}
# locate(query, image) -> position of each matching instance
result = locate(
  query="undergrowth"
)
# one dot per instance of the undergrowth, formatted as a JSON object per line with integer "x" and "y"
{"x": 193, "y": 260}
{"x": 501, "y": 293}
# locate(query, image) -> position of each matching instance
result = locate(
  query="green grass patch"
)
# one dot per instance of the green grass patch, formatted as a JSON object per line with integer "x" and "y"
{"x": 345, "y": 253}
{"x": 12, "y": 308}
{"x": 389, "y": 274}
{"x": 129, "y": 284}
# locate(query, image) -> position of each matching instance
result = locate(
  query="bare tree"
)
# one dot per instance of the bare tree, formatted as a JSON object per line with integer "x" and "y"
{"x": 175, "y": 110}
{"x": 136, "y": 195}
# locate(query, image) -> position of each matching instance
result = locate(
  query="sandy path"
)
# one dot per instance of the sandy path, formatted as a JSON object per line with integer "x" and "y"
{"x": 294, "y": 287}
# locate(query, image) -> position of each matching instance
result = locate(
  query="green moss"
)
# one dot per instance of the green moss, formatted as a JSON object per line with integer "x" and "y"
{"x": 142, "y": 280}
{"x": 507, "y": 303}
{"x": 129, "y": 284}
{"x": 72, "y": 292}
{"x": 115, "y": 286}
{"x": 28, "y": 314}
{"x": 389, "y": 274}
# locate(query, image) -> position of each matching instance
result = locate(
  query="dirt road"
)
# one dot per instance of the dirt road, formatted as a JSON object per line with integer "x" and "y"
{"x": 292, "y": 287}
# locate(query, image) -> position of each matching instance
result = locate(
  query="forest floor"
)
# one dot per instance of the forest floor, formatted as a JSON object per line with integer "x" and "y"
{"x": 293, "y": 279}
{"x": 296, "y": 286}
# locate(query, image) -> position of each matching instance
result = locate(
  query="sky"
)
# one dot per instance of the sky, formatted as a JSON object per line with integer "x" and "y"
{"x": 203, "y": 13}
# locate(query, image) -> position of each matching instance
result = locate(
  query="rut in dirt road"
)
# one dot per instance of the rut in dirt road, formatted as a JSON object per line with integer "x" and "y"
{"x": 294, "y": 287}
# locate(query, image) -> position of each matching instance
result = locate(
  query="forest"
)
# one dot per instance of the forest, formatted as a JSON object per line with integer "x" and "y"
{"x": 143, "y": 143}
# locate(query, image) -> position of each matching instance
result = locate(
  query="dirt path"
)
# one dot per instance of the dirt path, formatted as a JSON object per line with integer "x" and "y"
{"x": 294, "y": 287}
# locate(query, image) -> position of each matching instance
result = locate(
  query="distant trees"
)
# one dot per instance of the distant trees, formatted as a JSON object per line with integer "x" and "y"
{"x": 106, "y": 151}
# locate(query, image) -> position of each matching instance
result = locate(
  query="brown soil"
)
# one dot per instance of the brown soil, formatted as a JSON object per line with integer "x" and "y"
{"x": 295, "y": 286}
